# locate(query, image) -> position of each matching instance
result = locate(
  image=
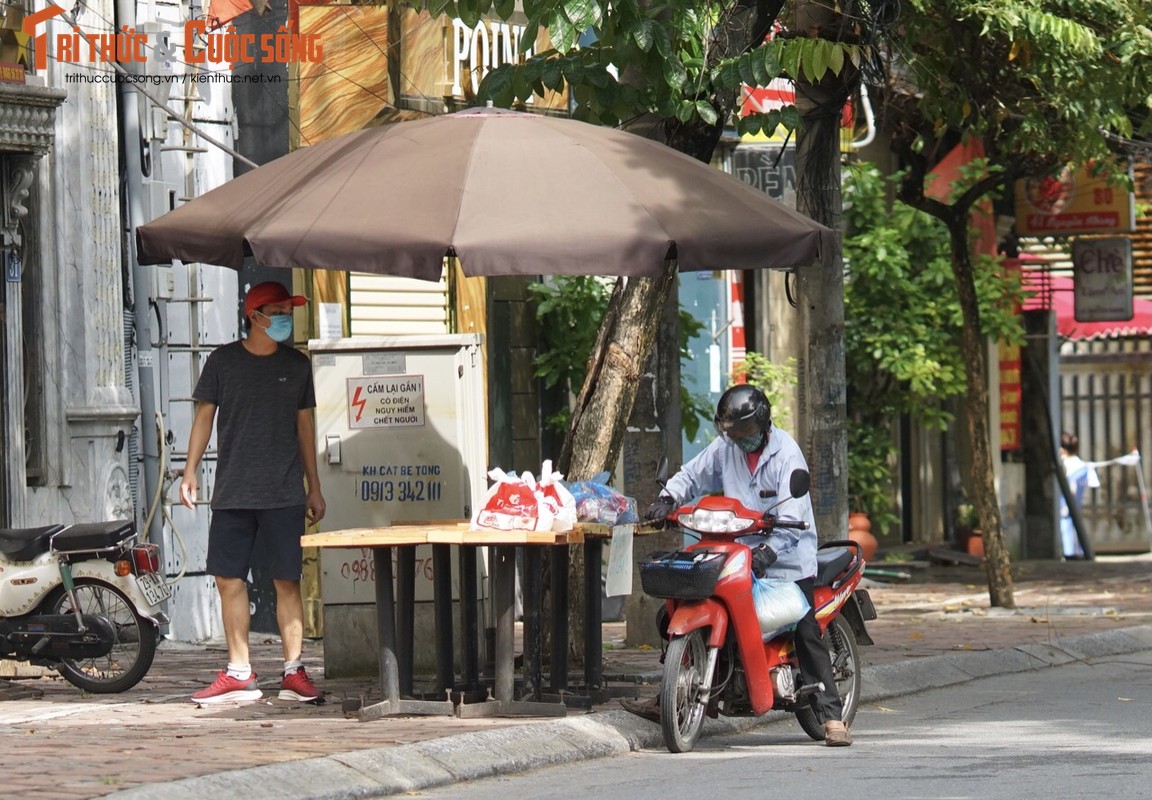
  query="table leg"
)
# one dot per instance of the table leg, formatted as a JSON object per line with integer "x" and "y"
{"x": 559, "y": 681}
{"x": 405, "y": 613}
{"x": 593, "y": 634}
{"x": 442, "y": 592}
{"x": 533, "y": 596}
{"x": 386, "y": 632}
{"x": 503, "y": 591}
{"x": 469, "y": 617}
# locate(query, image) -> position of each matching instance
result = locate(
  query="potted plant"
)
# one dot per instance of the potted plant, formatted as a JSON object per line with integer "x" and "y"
{"x": 869, "y": 484}
{"x": 969, "y": 537}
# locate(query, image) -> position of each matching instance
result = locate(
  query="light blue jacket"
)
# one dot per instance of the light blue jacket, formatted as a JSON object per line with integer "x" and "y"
{"x": 723, "y": 467}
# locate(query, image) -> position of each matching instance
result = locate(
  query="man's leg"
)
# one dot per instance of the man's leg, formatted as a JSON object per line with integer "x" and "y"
{"x": 816, "y": 667}
{"x": 281, "y": 529}
{"x": 237, "y": 617}
{"x": 230, "y": 539}
{"x": 290, "y": 618}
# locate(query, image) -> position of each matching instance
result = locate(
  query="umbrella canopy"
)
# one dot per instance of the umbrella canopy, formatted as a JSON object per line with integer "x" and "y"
{"x": 1058, "y": 293}
{"x": 507, "y": 193}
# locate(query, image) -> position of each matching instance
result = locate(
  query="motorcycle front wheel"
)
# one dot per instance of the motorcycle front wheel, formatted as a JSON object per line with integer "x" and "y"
{"x": 132, "y": 652}
{"x": 846, "y": 669}
{"x": 681, "y": 712}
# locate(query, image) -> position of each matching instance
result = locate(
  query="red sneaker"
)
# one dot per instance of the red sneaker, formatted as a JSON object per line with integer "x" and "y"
{"x": 298, "y": 686}
{"x": 226, "y": 689}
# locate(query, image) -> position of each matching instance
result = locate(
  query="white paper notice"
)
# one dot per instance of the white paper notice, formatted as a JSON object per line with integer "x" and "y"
{"x": 619, "y": 579}
{"x": 331, "y": 320}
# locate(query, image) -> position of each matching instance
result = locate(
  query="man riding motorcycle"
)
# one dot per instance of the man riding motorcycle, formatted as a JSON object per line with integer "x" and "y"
{"x": 748, "y": 457}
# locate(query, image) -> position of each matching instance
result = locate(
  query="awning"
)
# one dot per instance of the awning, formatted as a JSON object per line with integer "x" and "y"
{"x": 1056, "y": 292}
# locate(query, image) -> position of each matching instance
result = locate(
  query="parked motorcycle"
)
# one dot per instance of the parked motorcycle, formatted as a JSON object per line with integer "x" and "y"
{"x": 718, "y": 660}
{"x": 83, "y": 599}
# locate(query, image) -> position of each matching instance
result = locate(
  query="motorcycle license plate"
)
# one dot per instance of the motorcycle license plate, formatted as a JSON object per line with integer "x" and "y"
{"x": 155, "y": 589}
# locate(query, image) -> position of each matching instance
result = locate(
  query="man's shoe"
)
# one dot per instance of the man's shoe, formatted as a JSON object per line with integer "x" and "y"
{"x": 298, "y": 686}
{"x": 648, "y": 709}
{"x": 226, "y": 689}
{"x": 836, "y": 734}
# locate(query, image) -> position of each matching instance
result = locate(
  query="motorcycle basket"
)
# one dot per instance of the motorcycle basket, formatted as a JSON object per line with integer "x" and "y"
{"x": 683, "y": 575}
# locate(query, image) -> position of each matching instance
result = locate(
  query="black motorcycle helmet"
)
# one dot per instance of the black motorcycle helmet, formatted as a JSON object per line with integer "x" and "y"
{"x": 743, "y": 410}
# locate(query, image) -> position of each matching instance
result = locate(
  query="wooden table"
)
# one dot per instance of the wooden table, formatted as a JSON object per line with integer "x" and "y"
{"x": 396, "y": 671}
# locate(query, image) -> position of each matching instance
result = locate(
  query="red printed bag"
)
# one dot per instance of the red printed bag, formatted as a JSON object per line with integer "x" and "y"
{"x": 513, "y": 503}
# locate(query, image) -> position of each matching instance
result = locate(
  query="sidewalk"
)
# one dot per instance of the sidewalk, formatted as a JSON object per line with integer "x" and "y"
{"x": 151, "y": 742}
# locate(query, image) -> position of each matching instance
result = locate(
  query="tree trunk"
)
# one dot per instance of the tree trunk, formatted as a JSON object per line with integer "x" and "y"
{"x": 972, "y": 345}
{"x": 820, "y": 287}
{"x": 623, "y": 346}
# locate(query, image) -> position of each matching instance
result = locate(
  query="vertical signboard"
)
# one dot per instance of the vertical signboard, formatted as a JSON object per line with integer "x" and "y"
{"x": 1102, "y": 279}
{"x": 1009, "y": 396}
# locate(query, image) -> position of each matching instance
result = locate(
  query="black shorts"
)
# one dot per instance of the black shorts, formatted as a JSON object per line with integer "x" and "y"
{"x": 235, "y": 533}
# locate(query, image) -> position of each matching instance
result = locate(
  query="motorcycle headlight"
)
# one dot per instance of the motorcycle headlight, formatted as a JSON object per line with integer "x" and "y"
{"x": 707, "y": 521}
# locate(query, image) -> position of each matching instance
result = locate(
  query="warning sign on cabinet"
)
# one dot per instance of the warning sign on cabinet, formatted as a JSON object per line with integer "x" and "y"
{"x": 395, "y": 401}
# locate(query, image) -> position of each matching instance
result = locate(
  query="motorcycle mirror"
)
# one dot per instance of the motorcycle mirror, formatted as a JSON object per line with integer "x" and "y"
{"x": 662, "y": 471}
{"x": 799, "y": 483}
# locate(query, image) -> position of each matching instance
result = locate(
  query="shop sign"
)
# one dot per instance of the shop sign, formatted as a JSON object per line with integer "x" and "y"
{"x": 1102, "y": 279}
{"x": 480, "y": 49}
{"x": 1073, "y": 202}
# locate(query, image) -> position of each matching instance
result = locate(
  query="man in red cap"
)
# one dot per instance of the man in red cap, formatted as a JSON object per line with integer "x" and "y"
{"x": 266, "y": 483}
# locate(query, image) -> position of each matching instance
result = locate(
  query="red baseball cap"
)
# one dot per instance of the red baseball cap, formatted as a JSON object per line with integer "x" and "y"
{"x": 262, "y": 294}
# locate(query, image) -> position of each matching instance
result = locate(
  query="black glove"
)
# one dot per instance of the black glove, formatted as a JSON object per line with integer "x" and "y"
{"x": 769, "y": 519}
{"x": 659, "y": 511}
{"x": 763, "y": 557}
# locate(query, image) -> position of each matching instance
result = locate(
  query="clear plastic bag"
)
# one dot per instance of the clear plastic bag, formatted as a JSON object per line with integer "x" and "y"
{"x": 779, "y": 605}
{"x": 596, "y": 501}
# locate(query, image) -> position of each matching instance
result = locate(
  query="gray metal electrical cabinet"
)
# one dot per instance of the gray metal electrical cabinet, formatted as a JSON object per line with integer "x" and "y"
{"x": 401, "y": 438}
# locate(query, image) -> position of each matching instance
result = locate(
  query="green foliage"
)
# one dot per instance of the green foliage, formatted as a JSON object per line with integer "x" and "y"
{"x": 902, "y": 328}
{"x": 673, "y": 61}
{"x": 1040, "y": 82}
{"x": 774, "y": 380}
{"x": 570, "y": 310}
{"x": 695, "y": 408}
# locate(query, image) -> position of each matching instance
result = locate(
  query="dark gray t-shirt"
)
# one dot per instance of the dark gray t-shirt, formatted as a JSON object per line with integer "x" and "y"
{"x": 258, "y": 453}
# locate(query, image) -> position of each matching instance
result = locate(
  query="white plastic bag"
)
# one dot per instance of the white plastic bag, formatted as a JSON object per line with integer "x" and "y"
{"x": 514, "y": 503}
{"x": 779, "y": 605}
{"x": 552, "y": 488}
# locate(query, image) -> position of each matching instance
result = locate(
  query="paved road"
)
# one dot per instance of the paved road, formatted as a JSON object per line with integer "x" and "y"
{"x": 1081, "y": 730}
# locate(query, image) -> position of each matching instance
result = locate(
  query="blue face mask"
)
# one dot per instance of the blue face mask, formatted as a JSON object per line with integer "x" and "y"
{"x": 279, "y": 328}
{"x": 749, "y": 444}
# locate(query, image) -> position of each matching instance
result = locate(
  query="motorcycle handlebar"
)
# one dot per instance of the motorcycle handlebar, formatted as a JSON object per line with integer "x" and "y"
{"x": 795, "y": 524}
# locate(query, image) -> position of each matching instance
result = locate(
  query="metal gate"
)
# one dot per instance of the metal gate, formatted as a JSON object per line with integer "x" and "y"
{"x": 1106, "y": 400}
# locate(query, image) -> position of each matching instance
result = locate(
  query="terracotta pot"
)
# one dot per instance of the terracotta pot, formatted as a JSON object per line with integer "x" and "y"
{"x": 975, "y": 544}
{"x": 860, "y": 531}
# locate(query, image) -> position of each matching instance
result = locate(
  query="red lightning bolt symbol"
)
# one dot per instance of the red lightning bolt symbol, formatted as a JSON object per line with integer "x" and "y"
{"x": 356, "y": 401}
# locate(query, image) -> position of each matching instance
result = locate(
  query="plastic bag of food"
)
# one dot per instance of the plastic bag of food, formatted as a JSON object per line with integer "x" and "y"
{"x": 514, "y": 503}
{"x": 779, "y": 605}
{"x": 596, "y": 501}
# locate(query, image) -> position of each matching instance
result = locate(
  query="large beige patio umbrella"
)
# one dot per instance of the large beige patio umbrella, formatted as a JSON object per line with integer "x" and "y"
{"x": 506, "y": 192}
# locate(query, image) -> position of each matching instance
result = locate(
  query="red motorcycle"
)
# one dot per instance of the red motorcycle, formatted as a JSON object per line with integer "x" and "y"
{"x": 718, "y": 660}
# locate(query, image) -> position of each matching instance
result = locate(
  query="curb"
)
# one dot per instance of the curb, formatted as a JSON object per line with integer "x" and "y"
{"x": 471, "y": 756}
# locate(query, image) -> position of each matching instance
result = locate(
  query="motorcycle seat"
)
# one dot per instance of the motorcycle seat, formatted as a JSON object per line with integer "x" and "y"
{"x": 24, "y": 544}
{"x": 830, "y": 562}
{"x": 93, "y": 536}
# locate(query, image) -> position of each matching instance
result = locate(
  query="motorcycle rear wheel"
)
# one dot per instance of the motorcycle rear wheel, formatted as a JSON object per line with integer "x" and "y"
{"x": 681, "y": 712}
{"x": 842, "y": 647}
{"x": 131, "y": 655}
